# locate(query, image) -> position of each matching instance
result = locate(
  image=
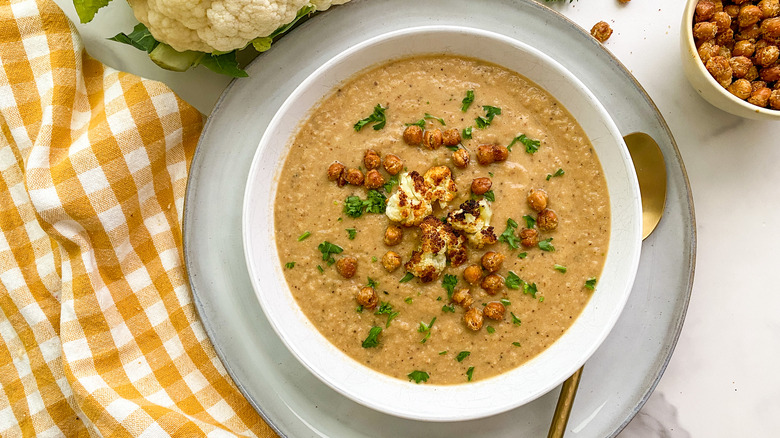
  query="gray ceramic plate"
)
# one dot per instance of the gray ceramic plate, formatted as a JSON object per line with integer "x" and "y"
{"x": 617, "y": 379}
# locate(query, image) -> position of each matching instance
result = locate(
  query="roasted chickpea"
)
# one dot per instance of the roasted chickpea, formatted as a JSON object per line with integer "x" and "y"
{"x": 494, "y": 310}
{"x": 473, "y": 318}
{"x": 537, "y": 199}
{"x": 760, "y": 97}
{"x": 336, "y": 173}
{"x": 472, "y": 274}
{"x": 391, "y": 261}
{"x": 601, "y": 31}
{"x": 719, "y": 68}
{"x": 393, "y": 235}
{"x": 707, "y": 50}
{"x": 740, "y": 88}
{"x": 374, "y": 179}
{"x": 347, "y": 266}
{"x": 451, "y": 137}
{"x": 354, "y": 177}
{"x": 393, "y": 164}
{"x": 757, "y": 85}
{"x": 743, "y": 48}
{"x": 529, "y": 237}
{"x": 413, "y": 135}
{"x": 624, "y": 1}
{"x": 367, "y": 297}
{"x": 461, "y": 158}
{"x": 500, "y": 153}
{"x": 725, "y": 39}
{"x": 740, "y": 66}
{"x": 739, "y": 2}
{"x": 723, "y": 21}
{"x": 769, "y": 8}
{"x": 750, "y": 33}
{"x": 432, "y": 138}
{"x": 481, "y": 185}
{"x": 492, "y": 283}
{"x": 718, "y": 5}
{"x": 749, "y": 15}
{"x": 485, "y": 154}
{"x": 463, "y": 298}
{"x": 766, "y": 56}
{"x": 770, "y": 28}
{"x": 724, "y": 52}
{"x": 492, "y": 261}
{"x": 752, "y": 73}
{"x": 371, "y": 159}
{"x": 705, "y": 31}
{"x": 770, "y": 74}
{"x": 732, "y": 10}
{"x": 774, "y": 99}
{"x": 705, "y": 10}
{"x": 547, "y": 220}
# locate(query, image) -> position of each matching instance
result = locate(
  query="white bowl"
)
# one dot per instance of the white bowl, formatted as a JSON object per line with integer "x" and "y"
{"x": 703, "y": 81}
{"x": 469, "y": 400}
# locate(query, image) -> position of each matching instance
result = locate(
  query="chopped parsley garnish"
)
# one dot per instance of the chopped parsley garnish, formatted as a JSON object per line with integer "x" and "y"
{"x": 408, "y": 300}
{"x": 470, "y": 373}
{"x": 406, "y": 278}
{"x": 377, "y": 118}
{"x": 359, "y": 309}
{"x": 466, "y": 133}
{"x": 319, "y": 268}
{"x": 448, "y": 283}
{"x": 386, "y": 308}
{"x": 355, "y": 207}
{"x": 426, "y": 328}
{"x": 327, "y": 248}
{"x": 490, "y": 196}
{"x": 546, "y": 245}
{"x": 522, "y": 255}
{"x": 420, "y": 123}
{"x": 432, "y": 117}
{"x": 513, "y": 281}
{"x": 531, "y": 145}
{"x": 372, "y": 282}
{"x": 560, "y": 268}
{"x": 558, "y": 172}
{"x": 373, "y": 259}
{"x": 462, "y": 355}
{"x": 530, "y": 289}
{"x": 393, "y": 181}
{"x": 452, "y": 148}
{"x": 505, "y": 302}
{"x": 541, "y": 299}
{"x": 304, "y": 236}
{"x": 467, "y": 101}
{"x": 442, "y": 353}
{"x": 516, "y": 344}
{"x": 508, "y": 235}
{"x": 515, "y": 319}
{"x": 372, "y": 341}
{"x": 418, "y": 376}
{"x": 352, "y": 233}
{"x": 490, "y": 112}
{"x": 448, "y": 308}
{"x": 289, "y": 265}
{"x": 490, "y": 329}
{"x": 591, "y": 283}
{"x": 529, "y": 221}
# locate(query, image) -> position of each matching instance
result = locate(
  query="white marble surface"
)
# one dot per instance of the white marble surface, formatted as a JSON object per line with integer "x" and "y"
{"x": 721, "y": 381}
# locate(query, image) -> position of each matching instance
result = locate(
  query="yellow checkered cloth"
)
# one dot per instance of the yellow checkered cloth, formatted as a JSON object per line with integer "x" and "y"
{"x": 98, "y": 332}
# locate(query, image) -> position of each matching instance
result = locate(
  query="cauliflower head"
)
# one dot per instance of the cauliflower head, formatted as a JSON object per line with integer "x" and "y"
{"x": 438, "y": 243}
{"x": 218, "y": 25}
{"x": 473, "y": 218}
{"x": 413, "y": 200}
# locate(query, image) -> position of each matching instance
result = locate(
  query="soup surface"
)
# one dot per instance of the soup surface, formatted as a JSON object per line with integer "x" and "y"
{"x": 543, "y": 287}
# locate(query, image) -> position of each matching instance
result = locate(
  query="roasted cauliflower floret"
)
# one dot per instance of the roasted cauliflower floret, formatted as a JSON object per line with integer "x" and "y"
{"x": 439, "y": 185}
{"x": 438, "y": 243}
{"x": 413, "y": 200}
{"x": 473, "y": 218}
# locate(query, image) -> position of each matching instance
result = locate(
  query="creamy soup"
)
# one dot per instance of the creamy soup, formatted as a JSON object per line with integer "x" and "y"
{"x": 543, "y": 287}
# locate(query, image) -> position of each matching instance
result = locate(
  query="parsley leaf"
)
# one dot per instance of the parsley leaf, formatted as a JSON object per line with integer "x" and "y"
{"x": 429, "y": 117}
{"x": 319, "y": 268}
{"x": 377, "y": 118}
{"x": 529, "y": 221}
{"x": 530, "y": 288}
{"x": 408, "y": 300}
{"x": 386, "y": 308}
{"x": 448, "y": 308}
{"x": 470, "y": 373}
{"x": 327, "y": 248}
{"x": 359, "y": 309}
{"x": 462, "y": 355}
{"x": 442, "y": 353}
{"x": 531, "y": 145}
{"x": 448, "y": 283}
{"x": 487, "y": 119}
{"x": 393, "y": 181}
{"x": 516, "y": 344}
{"x": 289, "y": 265}
{"x": 418, "y": 376}
{"x": 513, "y": 281}
{"x": 406, "y": 278}
{"x": 490, "y": 329}
{"x": 466, "y": 133}
{"x": 505, "y": 302}
{"x": 508, "y": 236}
{"x": 490, "y": 196}
{"x": 371, "y": 341}
{"x": 560, "y": 268}
{"x": 426, "y": 327}
{"x": 355, "y": 207}
{"x": 546, "y": 245}
{"x": 372, "y": 282}
{"x": 420, "y": 123}
{"x": 591, "y": 283}
{"x": 522, "y": 255}
{"x": 515, "y": 319}
{"x": 352, "y": 233}
{"x": 558, "y": 172}
{"x": 304, "y": 236}
{"x": 467, "y": 101}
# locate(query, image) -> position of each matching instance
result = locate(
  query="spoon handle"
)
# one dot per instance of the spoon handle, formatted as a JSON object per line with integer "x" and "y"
{"x": 565, "y": 402}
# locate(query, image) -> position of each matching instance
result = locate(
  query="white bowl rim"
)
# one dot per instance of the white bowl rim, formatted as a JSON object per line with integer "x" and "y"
{"x": 631, "y": 262}
{"x": 702, "y": 69}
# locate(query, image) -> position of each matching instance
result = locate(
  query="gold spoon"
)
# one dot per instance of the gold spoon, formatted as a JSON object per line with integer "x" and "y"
{"x": 651, "y": 173}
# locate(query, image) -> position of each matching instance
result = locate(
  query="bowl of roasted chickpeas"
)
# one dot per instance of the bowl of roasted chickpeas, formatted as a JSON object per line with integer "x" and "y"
{"x": 730, "y": 51}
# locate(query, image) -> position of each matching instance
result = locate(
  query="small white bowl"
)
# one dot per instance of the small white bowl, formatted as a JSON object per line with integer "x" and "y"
{"x": 703, "y": 81}
{"x": 469, "y": 400}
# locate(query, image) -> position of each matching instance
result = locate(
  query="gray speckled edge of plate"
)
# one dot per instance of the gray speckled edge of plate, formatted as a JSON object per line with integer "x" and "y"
{"x": 619, "y": 377}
